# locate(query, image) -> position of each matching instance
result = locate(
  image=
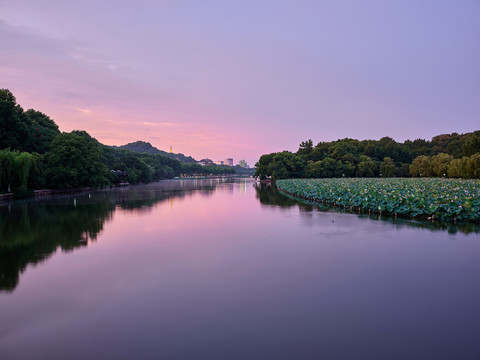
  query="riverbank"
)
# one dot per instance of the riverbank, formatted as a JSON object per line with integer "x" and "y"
{"x": 7, "y": 197}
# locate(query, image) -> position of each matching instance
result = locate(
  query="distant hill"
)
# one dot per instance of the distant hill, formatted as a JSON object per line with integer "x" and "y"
{"x": 146, "y": 147}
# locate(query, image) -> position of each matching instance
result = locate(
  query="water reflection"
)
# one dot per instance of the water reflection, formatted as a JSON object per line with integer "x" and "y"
{"x": 269, "y": 195}
{"x": 185, "y": 271}
{"x": 31, "y": 231}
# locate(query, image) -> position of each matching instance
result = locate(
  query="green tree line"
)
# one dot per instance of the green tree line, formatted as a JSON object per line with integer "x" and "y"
{"x": 34, "y": 154}
{"x": 452, "y": 155}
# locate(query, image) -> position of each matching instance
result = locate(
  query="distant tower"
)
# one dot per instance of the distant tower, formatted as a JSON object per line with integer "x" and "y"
{"x": 171, "y": 151}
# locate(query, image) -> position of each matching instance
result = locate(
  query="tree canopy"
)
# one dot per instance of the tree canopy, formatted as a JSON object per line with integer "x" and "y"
{"x": 34, "y": 154}
{"x": 372, "y": 158}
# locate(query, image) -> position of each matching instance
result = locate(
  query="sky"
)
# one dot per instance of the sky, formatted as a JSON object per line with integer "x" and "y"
{"x": 237, "y": 79}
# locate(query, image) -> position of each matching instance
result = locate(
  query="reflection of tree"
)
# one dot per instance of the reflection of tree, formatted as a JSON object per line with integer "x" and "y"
{"x": 268, "y": 194}
{"x": 30, "y": 232}
{"x": 451, "y": 227}
{"x": 143, "y": 198}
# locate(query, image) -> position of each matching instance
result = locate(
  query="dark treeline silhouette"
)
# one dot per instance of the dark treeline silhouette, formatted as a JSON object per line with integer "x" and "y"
{"x": 146, "y": 147}
{"x": 34, "y": 154}
{"x": 452, "y": 155}
{"x": 31, "y": 231}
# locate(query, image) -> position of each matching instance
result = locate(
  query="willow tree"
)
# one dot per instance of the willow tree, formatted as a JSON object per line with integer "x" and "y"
{"x": 387, "y": 167}
{"x": 14, "y": 169}
{"x": 22, "y": 165}
{"x": 7, "y": 163}
{"x": 421, "y": 166}
{"x": 441, "y": 163}
{"x": 473, "y": 166}
{"x": 366, "y": 167}
{"x": 457, "y": 168}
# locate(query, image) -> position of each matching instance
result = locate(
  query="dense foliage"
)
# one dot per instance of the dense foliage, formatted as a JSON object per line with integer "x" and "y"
{"x": 443, "y": 165}
{"x": 453, "y": 155}
{"x": 14, "y": 170}
{"x": 29, "y": 131}
{"x": 34, "y": 154}
{"x": 444, "y": 199}
{"x": 75, "y": 160}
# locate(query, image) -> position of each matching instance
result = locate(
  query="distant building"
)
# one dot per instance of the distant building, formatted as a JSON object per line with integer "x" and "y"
{"x": 220, "y": 162}
{"x": 243, "y": 164}
{"x": 229, "y": 162}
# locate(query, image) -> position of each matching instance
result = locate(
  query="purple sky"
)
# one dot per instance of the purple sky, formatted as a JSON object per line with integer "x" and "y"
{"x": 238, "y": 79}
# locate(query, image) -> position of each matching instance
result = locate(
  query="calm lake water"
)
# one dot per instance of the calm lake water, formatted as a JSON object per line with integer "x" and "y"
{"x": 217, "y": 269}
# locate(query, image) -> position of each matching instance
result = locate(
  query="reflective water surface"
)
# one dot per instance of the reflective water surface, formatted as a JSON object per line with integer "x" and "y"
{"x": 220, "y": 269}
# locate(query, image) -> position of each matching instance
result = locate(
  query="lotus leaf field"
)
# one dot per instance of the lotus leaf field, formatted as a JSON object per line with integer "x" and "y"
{"x": 443, "y": 199}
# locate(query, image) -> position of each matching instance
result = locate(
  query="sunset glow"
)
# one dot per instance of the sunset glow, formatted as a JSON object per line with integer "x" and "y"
{"x": 239, "y": 79}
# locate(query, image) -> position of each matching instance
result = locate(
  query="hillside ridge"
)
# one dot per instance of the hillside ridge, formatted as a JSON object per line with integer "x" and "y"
{"x": 148, "y": 148}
